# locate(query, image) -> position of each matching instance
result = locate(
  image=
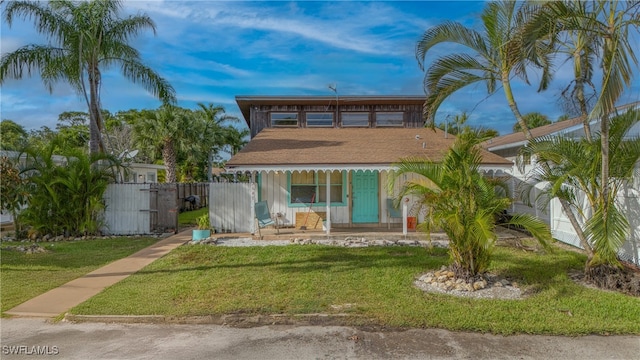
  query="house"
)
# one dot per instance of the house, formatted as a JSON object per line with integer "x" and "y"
{"x": 551, "y": 212}
{"x": 328, "y": 155}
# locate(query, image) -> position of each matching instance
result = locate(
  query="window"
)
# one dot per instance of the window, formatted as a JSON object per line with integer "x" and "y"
{"x": 311, "y": 186}
{"x": 319, "y": 119}
{"x": 355, "y": 119}
{"x": 389, "y": 118}
{"x": 284, "y": 119}
{"x": 151, "y": 177}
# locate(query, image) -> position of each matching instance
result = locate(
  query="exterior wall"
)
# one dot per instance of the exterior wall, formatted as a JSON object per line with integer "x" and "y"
{"x": 273, "y": 188}
{"x": 260, "y": 115}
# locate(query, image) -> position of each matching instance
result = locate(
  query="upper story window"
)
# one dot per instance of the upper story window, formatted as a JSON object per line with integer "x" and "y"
{"x": 284, "y": 119}
{"x": 389, "y": 119}
{"x": 318, "y": 119}
{"x": 355, "y": 119}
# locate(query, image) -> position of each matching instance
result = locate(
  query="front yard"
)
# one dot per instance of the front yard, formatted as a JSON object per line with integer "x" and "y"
{"x": 24, "y": 276}
{"x": 372, "y": 284}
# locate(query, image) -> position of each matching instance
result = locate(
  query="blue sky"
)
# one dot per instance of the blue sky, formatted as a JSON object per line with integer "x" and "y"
{"x": 212, "y": 51}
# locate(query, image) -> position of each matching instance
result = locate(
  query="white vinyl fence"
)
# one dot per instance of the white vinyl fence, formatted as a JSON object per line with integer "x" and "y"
{"x": 231, "y": 207}
{"x": 628, "y": 201}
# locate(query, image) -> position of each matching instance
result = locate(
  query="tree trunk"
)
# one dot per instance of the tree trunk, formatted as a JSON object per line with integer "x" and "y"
{"x": 169, "y": 157}
{"x": 95, "y": 138}
{"x": 527, "y": 134}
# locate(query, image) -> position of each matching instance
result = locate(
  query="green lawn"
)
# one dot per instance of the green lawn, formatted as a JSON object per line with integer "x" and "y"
{"x": 203, "y": 280}
{"x": 24, "y": 276}
{"x": 188, "y": 218}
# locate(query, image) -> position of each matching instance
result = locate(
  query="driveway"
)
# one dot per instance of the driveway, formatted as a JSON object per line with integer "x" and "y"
{"x": 24, "y": 338}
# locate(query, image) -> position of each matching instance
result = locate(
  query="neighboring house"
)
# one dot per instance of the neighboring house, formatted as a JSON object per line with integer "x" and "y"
{"x": 330, "y": 155}
{"x": 141, "y": 173}
{"x": 509, "y": 146}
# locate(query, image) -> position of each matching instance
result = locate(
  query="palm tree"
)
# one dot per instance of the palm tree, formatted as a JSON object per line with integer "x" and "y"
{"x": 497, "y": 56}
{"x": 533, "y": 120}
{"x": 514, "y": 38}
{"x": 607, "y": 24}
{"x": 574, "y": 168}
{"x": 168, "y": 130}
{"x": 458, "y": 199}
{"x": 86, "y": 38}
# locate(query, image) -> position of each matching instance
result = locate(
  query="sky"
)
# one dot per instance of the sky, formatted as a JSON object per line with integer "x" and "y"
{"x": 213, "y": 51}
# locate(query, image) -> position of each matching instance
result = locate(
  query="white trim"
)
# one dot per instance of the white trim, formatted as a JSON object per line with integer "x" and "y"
{"x": 506, "y": 169}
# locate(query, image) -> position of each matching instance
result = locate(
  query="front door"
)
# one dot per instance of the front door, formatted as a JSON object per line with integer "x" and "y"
{"x": 364, "y": 196}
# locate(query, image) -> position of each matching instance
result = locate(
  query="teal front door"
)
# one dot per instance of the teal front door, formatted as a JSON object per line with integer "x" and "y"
{"x": 364, "y": 195}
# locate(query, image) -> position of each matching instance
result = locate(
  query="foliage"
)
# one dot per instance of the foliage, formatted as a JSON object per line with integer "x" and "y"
{"x": 66, "y": 191}
{"x": 533, "y": 120}
{"x": 14, "y": 136}
{"x": 456, "y": 127}
{"x": 25, "y": 276}
{"x": 13, "y": 190}
{"x": 378, "y": 281}
{"x": 85, "y": 38}
{"x": 574, "y": 169}
{"x": 203, "y": 222}
{"x": 463, "y": 203}
{"x": 496, "y": 55}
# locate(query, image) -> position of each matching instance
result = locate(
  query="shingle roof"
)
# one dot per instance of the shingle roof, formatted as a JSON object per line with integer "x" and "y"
{"x": 346, "y": 146}
{"x": 518, "y": 138}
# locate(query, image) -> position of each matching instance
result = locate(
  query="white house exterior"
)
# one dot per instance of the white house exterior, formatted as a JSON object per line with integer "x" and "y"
{"x": 551, "y": 212}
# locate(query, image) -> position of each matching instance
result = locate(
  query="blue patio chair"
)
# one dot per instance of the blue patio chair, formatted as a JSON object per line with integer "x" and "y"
{"x": 392, "y": 212}
{"x": 264, "y": 217}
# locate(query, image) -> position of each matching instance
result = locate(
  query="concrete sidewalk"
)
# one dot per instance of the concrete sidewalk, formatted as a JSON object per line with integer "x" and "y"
{"x": 61, "y": 299}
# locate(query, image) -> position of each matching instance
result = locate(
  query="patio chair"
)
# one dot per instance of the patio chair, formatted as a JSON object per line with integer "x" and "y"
{"x": 392, "y": 212}
{"x": 264, "y": 217}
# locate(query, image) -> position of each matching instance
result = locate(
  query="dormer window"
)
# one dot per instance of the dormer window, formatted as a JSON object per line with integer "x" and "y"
{"x": 284, "y": 119}
{"x": 355, "y": 119}
{"x": 319, "y": 119}
{"x": 391, "y": 119}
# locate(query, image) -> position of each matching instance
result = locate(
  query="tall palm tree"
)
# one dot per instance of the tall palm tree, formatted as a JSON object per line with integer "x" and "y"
{"x": 607, "y": 24}
{"x": 496, "y": 56}
{"x": 168, "y": 130}
{"x": 515, "y": 37}
{"x": 86, "y": 38}
{"x": 215, "y": 131}
{"x": 575, "y": 169}
{"x": 458, "y": 199}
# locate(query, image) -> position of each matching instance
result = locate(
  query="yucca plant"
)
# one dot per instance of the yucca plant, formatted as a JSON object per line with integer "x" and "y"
{"x": 460, "y": 201}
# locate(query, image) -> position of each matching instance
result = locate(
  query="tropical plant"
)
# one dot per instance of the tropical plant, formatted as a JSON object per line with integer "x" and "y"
{"x": 533, "y": 120}
{"x": 14, "y": 136}
{"x": 167, "y": 130}
{"x": 574, "y": 173}
{"x": 458, "y": 199}
{"x": 607, "y": 25}
{"x": 66, "y": 190}
{"x": 496, "y": 56}
{"x": 459, "y": 124}
{"x": 13, "y": 190}
{"x": 85, "y": 37}
{"x": 203, "y": 222}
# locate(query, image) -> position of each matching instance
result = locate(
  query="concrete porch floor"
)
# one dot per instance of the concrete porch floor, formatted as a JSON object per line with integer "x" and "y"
{"x": 337, "y": 233}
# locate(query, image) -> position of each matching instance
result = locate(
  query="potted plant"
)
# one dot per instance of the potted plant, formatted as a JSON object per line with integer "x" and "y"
{"x": 204, "y": 228}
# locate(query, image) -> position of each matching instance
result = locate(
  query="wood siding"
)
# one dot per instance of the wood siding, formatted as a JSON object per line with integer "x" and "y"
{"x": 260, "y": 115}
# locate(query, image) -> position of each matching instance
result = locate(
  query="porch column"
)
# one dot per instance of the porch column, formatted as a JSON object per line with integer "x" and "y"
{"x": 328, "y": 223}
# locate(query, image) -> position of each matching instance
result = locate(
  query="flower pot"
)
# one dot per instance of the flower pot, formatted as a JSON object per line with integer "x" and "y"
{"x": 200, "y": 234}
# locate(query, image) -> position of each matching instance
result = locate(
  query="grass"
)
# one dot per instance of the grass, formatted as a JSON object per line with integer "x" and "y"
{"x": 205, "y": 280}
{"x": 24, "y": 276}
{"x": 188, "y": 218}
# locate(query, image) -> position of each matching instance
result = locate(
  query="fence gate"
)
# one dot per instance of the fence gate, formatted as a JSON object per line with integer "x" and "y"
{"x": 163, "y": 208}
{"x": 231, "y": 207}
